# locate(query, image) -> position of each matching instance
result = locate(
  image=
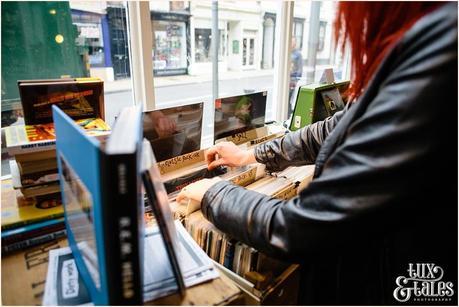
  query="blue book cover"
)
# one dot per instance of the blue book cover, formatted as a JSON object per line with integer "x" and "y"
{"x": 24, "y": 230}
{"x": 100, "y": 186}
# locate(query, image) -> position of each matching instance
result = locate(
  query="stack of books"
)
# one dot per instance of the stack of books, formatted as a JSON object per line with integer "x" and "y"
{"x": 35, "y": 214}
{"x": 28, "y": 221}
{"x": 34, "y": 164}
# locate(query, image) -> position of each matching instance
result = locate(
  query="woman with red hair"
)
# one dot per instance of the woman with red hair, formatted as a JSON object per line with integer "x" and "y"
{"x": 378, "y": 223}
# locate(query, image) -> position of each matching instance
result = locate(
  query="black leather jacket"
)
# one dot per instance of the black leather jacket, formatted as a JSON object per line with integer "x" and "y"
{"x": 384, "y": 192}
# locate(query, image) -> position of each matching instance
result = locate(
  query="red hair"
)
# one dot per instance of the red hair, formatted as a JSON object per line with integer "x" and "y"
{"x": 372, "y": 29}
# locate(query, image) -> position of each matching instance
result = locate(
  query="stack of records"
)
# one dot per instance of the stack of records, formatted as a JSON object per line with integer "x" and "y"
{"x": 233, "y": 255}
{"x": 236, "y": 256}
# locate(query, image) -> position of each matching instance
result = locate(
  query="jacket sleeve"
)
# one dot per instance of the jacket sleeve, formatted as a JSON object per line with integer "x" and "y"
{"x": 384, "y": 164}
{"x": 296, "y": 148}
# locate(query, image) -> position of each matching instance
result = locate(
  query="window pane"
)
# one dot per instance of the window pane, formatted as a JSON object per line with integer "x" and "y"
{"x": 170, "y": 46}
{"x": 202, "y": 45}
{"x": 48, "y": 40}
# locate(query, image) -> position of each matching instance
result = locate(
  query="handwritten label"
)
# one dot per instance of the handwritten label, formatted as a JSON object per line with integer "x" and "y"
{"x": 180, "y": 161}
{"x": 248, "y": 136}
{"x": 263, "y": 139}
{"x": 69, "y": 277}
{"x": 245, "y": 178}
{"x": 286, "y": 193}
{"x": 240, "y": 137}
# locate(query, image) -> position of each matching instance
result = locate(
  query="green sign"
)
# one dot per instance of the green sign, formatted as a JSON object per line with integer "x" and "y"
{"x": 235, "y": 47}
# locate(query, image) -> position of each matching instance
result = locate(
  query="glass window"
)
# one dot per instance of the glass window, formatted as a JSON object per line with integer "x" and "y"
{"x": 269, "y": 22}
{"x": 48, "y": 40}
{"x": 202, "y": 45}
{"x": 89, "y": 28}
{"x": 169, "y": 51}
{"x": 298, "y": 26}
{"x": 322, "y": 31}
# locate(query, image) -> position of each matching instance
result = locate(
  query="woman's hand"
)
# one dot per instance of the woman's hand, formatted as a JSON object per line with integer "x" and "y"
{"x": 196, "y": 190}
{"x": 163, "y": 125}
{"x": 227, "y": 153}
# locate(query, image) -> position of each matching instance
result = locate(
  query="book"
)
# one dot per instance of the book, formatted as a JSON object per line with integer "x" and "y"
{"x": 31, "y": 230}
{"x": 42, "y": 191}
{"x": 31, "y": 167}
{"x": 36, "y": 178}
{"x": 35, "y": 156}
{"x": 100, "y": 186}
{"x": 80, "y": 98}
{"x": 32, "y": 234}
{"x": 65, "y": 284}
{"x": 41, "y": 137}
{"x": 18, "y": 211}
{"x": 33, "y": 241}
{"x": 157, "y": 196}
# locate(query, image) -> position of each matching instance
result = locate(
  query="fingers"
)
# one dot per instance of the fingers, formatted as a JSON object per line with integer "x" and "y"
{"x": 216, "y": 163}
{"x": 210, "y": 154}
{"x": 182, "y": 195}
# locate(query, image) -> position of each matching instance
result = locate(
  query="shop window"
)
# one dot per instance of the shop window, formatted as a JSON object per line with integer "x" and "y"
{"x": 90, "y": 35}
{"x": 322, "y": 31}
{"x": 268, "y": 41}
{"x": 203, "y": 41}
{"x": 298, "y": 26}
{"x": 202, "y": 45}
{"x": 170, "y": 49}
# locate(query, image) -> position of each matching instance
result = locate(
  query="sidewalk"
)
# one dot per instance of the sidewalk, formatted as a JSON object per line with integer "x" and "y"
{"x": 126, "y": 85}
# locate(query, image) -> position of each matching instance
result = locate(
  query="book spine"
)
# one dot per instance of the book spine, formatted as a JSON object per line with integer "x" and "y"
{"x": 24, "y": 235}
{"x": 124, "y": 248}
{"x": 30, "y": 148}
{"x": 28, "y": 222}
{"x": 8, "y": 248}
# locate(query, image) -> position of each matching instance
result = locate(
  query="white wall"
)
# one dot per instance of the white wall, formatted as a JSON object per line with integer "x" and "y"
{"x": 89, "y": 6}
{"x": 159, "y": 6}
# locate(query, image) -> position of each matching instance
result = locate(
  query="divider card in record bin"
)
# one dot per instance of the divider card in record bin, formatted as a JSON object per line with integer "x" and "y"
{"x": 174, "y": 131}
{"x": 237, "y": 114}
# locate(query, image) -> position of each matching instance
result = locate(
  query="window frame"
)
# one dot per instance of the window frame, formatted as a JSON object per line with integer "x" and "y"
{"x": 140, "y": 45}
